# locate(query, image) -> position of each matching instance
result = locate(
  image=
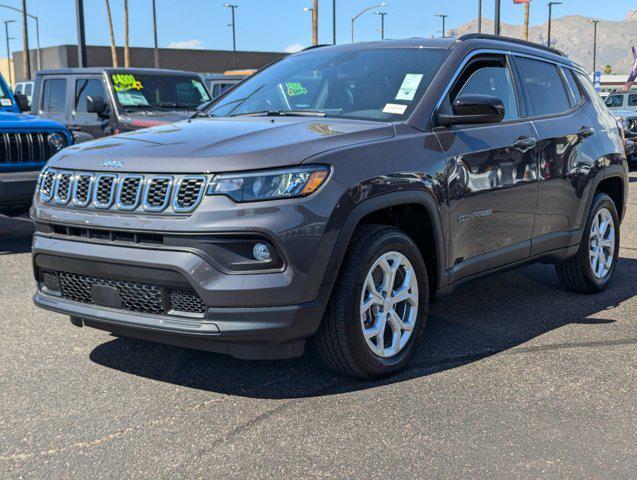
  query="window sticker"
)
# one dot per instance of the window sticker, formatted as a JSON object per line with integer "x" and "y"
{"x": 201, "y": 89}
{"x": 132, "y": 98}
{"x": 395, "y": 108}
{"x": 410, "y": 84}
{"x": 295, "y": 89}
{"x": 6, "y": 102}
{"x": 125, "y": 81}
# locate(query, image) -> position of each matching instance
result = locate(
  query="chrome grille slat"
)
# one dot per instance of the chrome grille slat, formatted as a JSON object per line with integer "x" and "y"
{"x": 104, "y": 190}
{"x": 157, "y": 193}
{"x": 63, "y": 186}
{"x": 188, "y": 193}
{"x": 129, "y": 192}
{"x": 82, "y": 189}
{"x": 47, "y": 184}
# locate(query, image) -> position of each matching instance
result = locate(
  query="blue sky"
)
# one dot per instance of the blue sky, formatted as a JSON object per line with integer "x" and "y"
{"x": 276, "y": 24}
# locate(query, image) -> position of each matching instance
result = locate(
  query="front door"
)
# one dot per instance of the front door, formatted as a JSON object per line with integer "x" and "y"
{"x": 491, "y": 175}
{"x": 83, "y": 121}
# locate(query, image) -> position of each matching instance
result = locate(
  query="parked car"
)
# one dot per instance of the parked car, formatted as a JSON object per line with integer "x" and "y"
{"x": 95, "y": 102}
{"x": 26, "y": 143}
{"x": 622, "y": 101}
{"x": 219, "y": 83}
{"x": 628, "y": 121}
{"x": 336, "y": 209}
{"x": 24, "y": 88}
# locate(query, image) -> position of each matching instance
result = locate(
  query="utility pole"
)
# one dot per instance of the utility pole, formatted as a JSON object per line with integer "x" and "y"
{"x": 548, "y": 42}
{"x": 315, "y": 10}
{"x": 81, "y": 36}
{"x": 382, "y": 24}
{"x": 527, "y": 9}
{"x": 353, "y": 20}
{"x": 479, "y": 16}
{"x": 594, "y": 22}
{"x": 26, "y": 58}
{"x": 126, "y": 39}
{"x": 443, "y": 18}
{"x": 333, "y": 22}
{"x": 496, "y": 20}
{"x": 9, "y": 62}
{"x": 155, "y": 35}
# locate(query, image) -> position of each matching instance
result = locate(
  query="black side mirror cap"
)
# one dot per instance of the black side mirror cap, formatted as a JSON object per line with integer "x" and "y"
{"x": 474, "y": 109}
{"x": 96, "y": 105}
{"x": 23, "y": 102}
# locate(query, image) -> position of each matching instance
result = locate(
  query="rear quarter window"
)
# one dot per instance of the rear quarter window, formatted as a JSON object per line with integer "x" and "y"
{"x": 544, "y": 86}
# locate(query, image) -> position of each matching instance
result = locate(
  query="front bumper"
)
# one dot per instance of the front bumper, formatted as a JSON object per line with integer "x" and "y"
{"x": 17, "y": 188}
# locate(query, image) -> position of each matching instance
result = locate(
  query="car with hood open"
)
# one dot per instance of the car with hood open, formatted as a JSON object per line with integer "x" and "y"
{"x": 330, "y": 196}
{"x": 97, "y": 102}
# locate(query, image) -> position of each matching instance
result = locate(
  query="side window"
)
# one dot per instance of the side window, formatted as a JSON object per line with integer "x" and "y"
{"x": 632, "y": 100}
{"x": 489, "y": 78}
{"x": 574, "y": 88}
{"x": 87, "y": 87}
{"x": 590, "y": 90}
{"x": 614, "y": 101}
{"x": 28, "y": 88}
{"x": 18, "y": 88}
{"x": 54, "y": 95}
{"x": 544, "y": 85}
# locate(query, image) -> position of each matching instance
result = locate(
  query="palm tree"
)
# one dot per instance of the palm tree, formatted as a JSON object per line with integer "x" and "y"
{"x": 110, "y": 28}
{"x": 126, "y": 47}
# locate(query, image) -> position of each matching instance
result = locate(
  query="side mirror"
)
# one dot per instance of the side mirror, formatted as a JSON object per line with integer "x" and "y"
{"x": 23, "y": 102}
{"x": 96, "y": 105}
{"x": 474, "y": 109}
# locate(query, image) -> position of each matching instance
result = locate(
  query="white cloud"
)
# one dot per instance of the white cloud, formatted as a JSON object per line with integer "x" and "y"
{"x": 295, "y": 47}
{"x": 191, "y": 44}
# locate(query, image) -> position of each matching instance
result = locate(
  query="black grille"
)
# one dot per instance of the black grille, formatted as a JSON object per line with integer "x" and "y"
{"x": 157, "y": 193}
{"x": 46, "y": 191}
{"x": 104, "y": 191}
{"x": 82, "y": 194}
{"x": 63, "y": 190}
{"x": 187, "y": 301}
{"x": 24, "y": 148}
{"x": 189, "y": 193}
{"x": 129, "y": 192}
{"x": 137, "y": 297}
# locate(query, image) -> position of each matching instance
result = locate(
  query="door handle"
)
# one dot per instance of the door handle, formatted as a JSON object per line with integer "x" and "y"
{"x": 586, "y": 132}
{"x": 525, "y": 143}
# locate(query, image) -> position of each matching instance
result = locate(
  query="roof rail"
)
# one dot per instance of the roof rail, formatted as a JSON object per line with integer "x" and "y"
{"x": 486, "y": 36}
{"x": 311, "y": 47}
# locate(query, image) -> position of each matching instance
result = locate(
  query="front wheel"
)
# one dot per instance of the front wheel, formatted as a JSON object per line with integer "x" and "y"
{"x": 592, "y": 269}
{"x": 378, "y": 308}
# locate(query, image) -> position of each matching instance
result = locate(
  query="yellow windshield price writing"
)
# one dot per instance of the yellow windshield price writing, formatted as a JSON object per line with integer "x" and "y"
{"x": 125, "y": 81}
{"x": 295, "y": 89}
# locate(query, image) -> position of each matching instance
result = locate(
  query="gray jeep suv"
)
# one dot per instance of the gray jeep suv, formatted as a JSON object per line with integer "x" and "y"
{"x": 331, "y": 195}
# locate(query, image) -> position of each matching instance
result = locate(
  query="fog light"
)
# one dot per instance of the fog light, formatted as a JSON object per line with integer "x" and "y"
{"x": 261, "y": 252}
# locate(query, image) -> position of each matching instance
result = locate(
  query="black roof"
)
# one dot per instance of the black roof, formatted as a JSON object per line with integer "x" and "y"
{"x": 99, "y": 70}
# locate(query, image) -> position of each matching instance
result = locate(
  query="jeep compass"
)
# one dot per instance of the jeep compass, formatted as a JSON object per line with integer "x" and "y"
{"x": 331, "y": 195}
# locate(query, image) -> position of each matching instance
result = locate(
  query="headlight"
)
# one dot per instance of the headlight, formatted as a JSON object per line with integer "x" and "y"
{"x": 57, "y": 141}
{"x": 270, "y": 184}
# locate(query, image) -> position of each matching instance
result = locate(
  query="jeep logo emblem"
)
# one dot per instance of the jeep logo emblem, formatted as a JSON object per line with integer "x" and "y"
{"x": 113, "y": 164}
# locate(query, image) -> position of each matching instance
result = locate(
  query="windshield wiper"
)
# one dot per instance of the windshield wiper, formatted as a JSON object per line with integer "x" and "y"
{"x": 281, "y": 113}
{"x": 175, "y": 105}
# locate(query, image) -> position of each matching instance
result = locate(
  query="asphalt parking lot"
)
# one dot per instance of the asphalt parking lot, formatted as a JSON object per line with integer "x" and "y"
{"x": 516, "y": 379}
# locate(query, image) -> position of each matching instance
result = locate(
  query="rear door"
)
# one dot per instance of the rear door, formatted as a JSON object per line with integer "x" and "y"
{"x": 85, "y": 86}
{"x": 53, "y": 99}
{"x": 492, "y": 174}
{"x": 568, "y": 148}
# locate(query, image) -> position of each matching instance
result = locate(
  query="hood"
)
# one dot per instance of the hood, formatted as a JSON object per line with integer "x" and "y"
{"x": 156, "y": 118}
{"x": 220, "y": 145}
{"x": 10, "y": 120}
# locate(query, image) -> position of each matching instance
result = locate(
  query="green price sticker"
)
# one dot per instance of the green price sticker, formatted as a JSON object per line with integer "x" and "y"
{"x": 295, "y": 89}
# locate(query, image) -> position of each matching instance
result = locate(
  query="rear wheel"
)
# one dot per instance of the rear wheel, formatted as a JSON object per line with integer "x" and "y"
{"x": 378, "y": 307}
{"x": 592, "y": 269}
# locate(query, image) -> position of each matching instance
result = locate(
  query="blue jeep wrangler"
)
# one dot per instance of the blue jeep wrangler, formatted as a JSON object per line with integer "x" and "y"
{"x": 26, "y": 143}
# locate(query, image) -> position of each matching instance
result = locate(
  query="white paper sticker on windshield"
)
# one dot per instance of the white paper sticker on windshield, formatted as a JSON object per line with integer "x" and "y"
{"x": 6, "y": 102}
{"x": 407, "y": 90}
{"x": 395, "y": 108}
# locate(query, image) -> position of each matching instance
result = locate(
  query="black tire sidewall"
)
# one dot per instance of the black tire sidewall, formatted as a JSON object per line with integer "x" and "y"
{"x": 600, "y": 201}
{"x": 369, "y": 362}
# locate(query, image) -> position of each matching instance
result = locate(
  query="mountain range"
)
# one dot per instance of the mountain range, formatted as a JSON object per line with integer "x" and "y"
{"x": 573, "y": 35}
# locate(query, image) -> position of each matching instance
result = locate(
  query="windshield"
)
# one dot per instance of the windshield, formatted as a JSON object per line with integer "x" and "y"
{"x": 372, "y": 84}
{"x": 158, "y": 92}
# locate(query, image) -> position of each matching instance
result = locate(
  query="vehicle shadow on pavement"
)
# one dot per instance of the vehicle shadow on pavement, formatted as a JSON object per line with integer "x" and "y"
{"x": 15, "y": 234}
{"x": 480, "y": 319}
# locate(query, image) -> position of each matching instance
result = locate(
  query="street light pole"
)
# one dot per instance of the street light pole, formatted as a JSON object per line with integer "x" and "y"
{"x": 479, "y": 16}
{"x": 443, "y": 18}
{"x": 26, "y": 58}
{"x": 81, "y": 36}
{"x": 548, "y": 41}
{"x": 234, "y": 33}
{"x": 496, "y": 20}
{"x": 155, "y": 35}
{"x": 37, "y": 31}
{"x": 380, "y": 5}
{"x": 9, "y": 62}
{"x": 311, "y": 11}
{"x": 334, "y": 22}
{"x": 382, "y": 24}
{"x": 594, "y": 22}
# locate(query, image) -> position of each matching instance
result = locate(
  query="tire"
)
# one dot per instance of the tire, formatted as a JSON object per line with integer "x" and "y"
{"x": 577, "y": 274}
{"x": 340, "y": 340}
